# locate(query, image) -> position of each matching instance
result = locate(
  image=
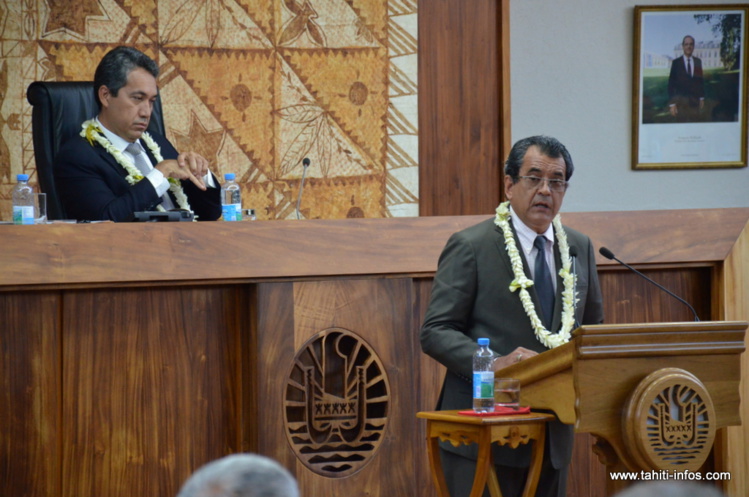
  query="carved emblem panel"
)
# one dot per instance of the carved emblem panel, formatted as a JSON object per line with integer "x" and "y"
{"x": 669, "y": 421}
{"x": 336, "y": 403}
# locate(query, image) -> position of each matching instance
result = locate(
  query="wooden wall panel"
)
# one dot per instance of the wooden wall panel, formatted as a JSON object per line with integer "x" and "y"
{"x": 274, "y": 314}
{"x": 430, "y": 374}
{"x": 587, "y": 477}
{"x": 29, "y": 394}
{"x": 152, "y": 389}
{"x": 733, "y": 301}
{"x": 379, "y": 312}
{"x": 463, "y": 91}
{"x": 628, "y": 298}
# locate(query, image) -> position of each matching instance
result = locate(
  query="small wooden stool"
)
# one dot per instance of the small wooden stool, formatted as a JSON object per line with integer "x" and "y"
{"x": 510, "y": 430}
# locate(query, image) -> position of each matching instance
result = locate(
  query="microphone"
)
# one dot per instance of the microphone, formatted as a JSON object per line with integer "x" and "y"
{"x": 305, "y": 163}
{"x": 573, "y": 255}
{"x": 610, "y": 255}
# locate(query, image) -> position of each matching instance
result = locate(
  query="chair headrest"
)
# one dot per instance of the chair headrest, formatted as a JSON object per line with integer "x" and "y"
{"x": 64, "y": 105}
{"x": 59, "y": 109}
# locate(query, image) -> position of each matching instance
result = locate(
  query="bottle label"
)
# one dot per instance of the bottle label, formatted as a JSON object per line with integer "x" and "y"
{"x": 232, "y": 212}
{"x": 23, "y": 214}
{"x": 483, "y": 385}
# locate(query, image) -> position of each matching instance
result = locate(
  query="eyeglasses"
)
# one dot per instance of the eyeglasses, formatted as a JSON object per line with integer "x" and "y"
{"x": 555, "y": 185}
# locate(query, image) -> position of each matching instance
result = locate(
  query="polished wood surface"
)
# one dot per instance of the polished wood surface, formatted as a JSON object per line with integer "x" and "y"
{"x": 93, "y": 254}
{"x": 664, "y": 236}
{"x": 120, "y": 375}
{"x": 30, "y": 397}
{"x": 731, "y": 298}
{"x": 514, "y": 430}
{"x": 464, "y": 105}
{"x": 147, "y": 388}
{"x": 378, "y": 311}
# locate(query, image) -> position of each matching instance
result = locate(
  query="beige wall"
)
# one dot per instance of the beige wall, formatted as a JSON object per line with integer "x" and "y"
{"x": 572, "y": 78}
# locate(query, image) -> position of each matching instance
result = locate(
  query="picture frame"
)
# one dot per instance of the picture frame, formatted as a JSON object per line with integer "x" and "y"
{"x": 690, "y": 112}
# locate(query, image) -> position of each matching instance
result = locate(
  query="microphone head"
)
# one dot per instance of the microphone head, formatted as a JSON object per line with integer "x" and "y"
{"x": 573, "y": 251}
{"x": 606, "y": 253}
{"x": 305, "y": 162}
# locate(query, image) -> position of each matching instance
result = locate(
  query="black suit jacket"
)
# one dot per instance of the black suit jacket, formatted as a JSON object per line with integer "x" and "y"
{"x": 681, "y": 85}
{"x": 92, "y": 185}
{"x": 471, "y": 299}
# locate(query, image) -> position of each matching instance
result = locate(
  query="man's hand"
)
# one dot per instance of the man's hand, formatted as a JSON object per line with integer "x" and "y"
{"x": 517, "y": 355}
{"x": 188, "y": 165}
{"x": 673, "y": 110}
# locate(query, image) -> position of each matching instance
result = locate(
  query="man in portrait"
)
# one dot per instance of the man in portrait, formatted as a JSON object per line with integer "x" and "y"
{"x": 686, "y": 85}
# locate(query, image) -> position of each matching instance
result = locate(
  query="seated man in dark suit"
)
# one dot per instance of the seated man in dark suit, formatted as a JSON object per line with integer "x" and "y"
{"x": 115, "y": 168}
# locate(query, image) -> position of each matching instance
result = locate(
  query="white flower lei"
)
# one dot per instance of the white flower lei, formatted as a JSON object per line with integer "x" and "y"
{"x": 93, "y": 133}
{"x": 522, "y": 282}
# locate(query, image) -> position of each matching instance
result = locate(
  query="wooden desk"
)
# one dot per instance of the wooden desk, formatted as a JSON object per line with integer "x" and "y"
{"x": 119, "y": 378}
{"x": 504, "y": 430}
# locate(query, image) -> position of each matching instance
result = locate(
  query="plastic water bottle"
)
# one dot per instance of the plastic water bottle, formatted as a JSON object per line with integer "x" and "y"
{"x": 23, "y": 201}
{"x": 483, "y": 378}
{"x": 231, "y": 199}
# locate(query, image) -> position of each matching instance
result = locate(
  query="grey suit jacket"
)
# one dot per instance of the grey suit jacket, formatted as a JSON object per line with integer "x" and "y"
{"x": 471, "y": 299}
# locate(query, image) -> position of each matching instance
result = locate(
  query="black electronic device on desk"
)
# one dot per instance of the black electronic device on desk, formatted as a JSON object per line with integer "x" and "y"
{"x": 163, "y": 217}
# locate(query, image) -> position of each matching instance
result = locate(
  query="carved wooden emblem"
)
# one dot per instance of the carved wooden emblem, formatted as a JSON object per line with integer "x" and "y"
{"x": 669, "y": 421}
{"x": 336, "y": 403}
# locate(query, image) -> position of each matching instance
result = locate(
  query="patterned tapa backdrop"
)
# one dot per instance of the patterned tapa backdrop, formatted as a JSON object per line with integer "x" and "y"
{"x": 253, "y": 85}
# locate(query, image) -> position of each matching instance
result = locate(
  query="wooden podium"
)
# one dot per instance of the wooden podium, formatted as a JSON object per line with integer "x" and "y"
{"x": 653, "y": 395}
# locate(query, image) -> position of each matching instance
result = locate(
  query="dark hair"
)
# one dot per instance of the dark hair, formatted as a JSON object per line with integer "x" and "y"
{"x": 115, "y": 66}
{"x": 548, "y": 146}
{"x": 690, "y": 37}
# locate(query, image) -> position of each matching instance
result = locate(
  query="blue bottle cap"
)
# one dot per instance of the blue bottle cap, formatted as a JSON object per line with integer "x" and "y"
{"x": 22, "y": 177}
{"x": 483, "y": 342}
{"x": 229, "y": 176}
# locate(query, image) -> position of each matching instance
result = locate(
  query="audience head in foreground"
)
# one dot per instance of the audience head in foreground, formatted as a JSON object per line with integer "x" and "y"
{"x": 671, "y": 489}
{"x": 241, "y": 475}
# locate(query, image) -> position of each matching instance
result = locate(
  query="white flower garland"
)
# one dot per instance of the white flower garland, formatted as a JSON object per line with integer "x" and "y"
{"x": 522, "y": 282}
{"x": 93, "y": 133}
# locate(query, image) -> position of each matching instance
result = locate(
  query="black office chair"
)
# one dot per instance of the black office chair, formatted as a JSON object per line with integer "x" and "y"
{"x": 59, "y": 109}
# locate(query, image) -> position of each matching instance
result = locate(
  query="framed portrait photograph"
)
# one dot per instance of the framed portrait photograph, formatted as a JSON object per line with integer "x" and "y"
{"x": 690, "y": 91}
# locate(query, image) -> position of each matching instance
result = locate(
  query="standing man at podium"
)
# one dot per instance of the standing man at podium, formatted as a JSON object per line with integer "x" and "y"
{"x": 525, "y": 282}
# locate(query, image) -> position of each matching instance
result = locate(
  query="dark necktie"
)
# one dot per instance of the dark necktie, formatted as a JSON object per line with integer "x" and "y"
{"x": 542, "y": 282}
{"x": 689, "y": 67}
